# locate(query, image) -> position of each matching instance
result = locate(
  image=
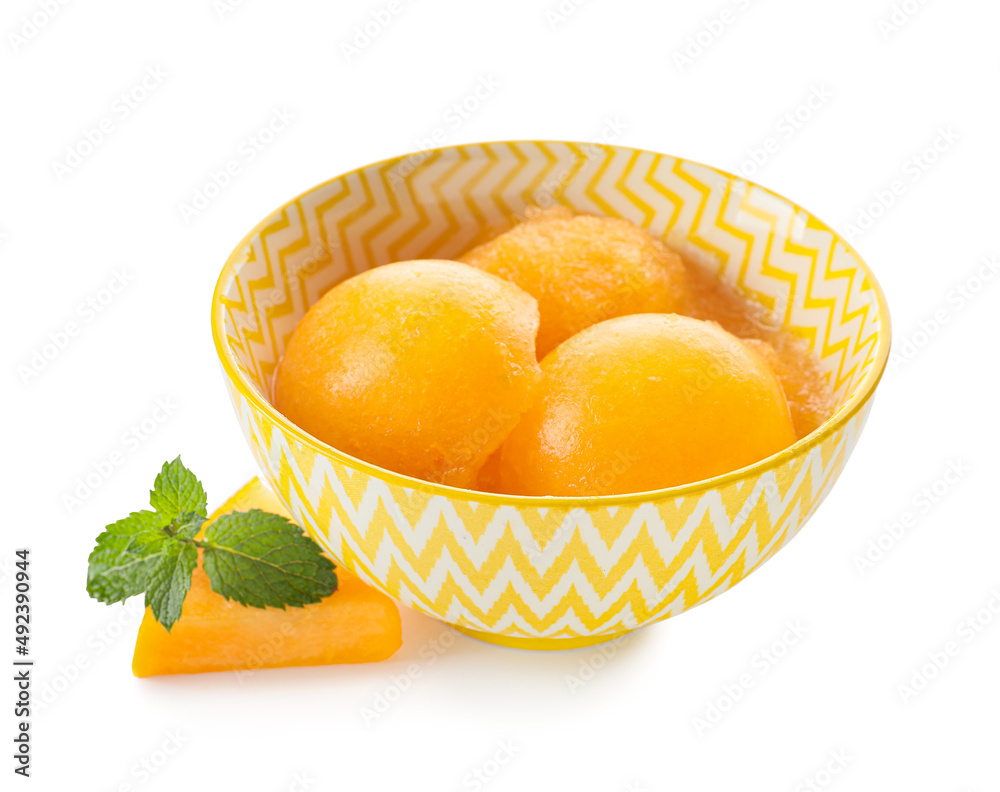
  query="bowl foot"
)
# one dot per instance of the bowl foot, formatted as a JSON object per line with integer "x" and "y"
{"x": 539, "y": 644}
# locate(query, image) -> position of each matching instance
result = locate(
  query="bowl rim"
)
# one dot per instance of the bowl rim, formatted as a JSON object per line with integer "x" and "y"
{"x": 834, "y": 423}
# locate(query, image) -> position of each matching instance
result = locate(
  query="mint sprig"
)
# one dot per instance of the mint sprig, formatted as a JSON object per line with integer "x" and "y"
{"x": 254, "y": 558}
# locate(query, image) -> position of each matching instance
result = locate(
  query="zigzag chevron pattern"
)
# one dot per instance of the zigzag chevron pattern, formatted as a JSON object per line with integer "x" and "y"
{"x": 487, "y": 563}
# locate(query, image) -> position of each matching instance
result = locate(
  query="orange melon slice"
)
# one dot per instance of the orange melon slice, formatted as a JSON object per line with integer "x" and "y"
{"x": 355, "y": 624}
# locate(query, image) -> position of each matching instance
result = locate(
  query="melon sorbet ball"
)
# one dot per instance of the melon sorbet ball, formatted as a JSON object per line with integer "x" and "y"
{"x": 419, "y": 367}
{"x": 583, "y": 269}
{"x": 644, "y": 402}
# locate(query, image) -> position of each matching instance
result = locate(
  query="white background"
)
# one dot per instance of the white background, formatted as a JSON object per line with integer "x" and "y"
{"x": 605, "y": 65}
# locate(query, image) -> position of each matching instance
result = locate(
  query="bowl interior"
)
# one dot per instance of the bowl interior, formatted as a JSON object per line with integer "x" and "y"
{"x": 439, "y": 203}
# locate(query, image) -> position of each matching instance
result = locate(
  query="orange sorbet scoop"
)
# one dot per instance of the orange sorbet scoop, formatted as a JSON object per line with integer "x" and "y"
{"x": 355, "y": 624}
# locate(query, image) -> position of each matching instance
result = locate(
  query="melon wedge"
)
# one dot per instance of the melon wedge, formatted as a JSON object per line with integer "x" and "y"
{"x": 355, "y": 624}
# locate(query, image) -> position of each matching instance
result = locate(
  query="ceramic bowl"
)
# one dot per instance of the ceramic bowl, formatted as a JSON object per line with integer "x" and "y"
{"x": 547, "y": 572}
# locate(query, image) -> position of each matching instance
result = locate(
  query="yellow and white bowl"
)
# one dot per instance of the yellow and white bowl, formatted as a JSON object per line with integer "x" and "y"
{"x": 547, "y": 572}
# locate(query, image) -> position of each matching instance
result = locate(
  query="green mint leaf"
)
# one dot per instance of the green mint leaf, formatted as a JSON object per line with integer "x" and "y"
{"x": 260, "y": 559}
{"x": 177, "y": 491}
{"x": 254, "y": 558}
{"x": 170, "y": 579}
{"x": 116, "y": 571}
